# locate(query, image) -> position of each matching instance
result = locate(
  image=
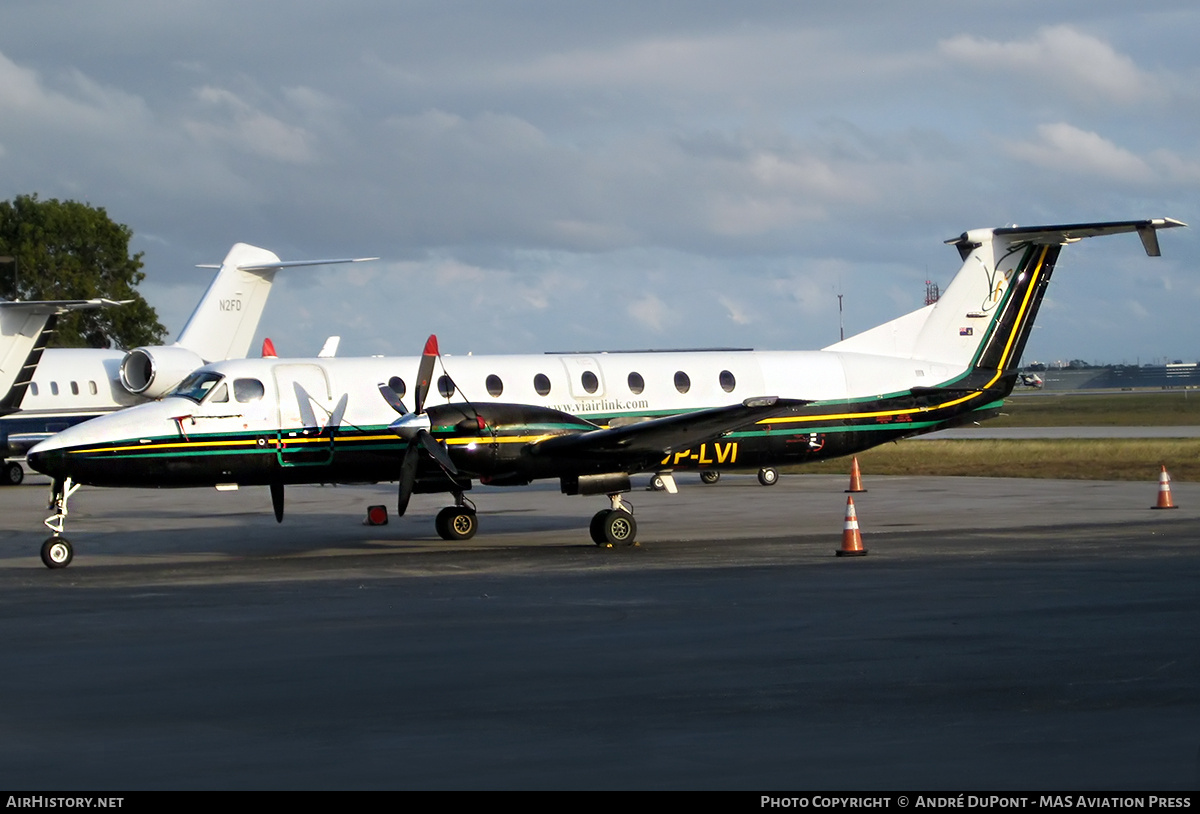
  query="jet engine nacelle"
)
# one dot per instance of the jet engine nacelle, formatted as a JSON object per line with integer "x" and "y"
{"x": 154, "y": 372}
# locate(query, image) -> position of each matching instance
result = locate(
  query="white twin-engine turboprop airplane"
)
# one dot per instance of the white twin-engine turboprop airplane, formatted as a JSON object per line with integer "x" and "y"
{"x": 588, "y": 419}
{"x": 71, "y": 385}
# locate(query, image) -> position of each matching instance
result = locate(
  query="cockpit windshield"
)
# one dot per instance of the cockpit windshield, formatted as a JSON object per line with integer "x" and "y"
{"x": 198, "y": 385}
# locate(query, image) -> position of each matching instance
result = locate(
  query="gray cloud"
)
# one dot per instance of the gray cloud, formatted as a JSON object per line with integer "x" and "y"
{"x": 632, "y": 175}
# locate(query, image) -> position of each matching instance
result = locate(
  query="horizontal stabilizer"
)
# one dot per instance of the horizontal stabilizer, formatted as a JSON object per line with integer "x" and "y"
{"x": 1070, "y": 233}
{"x": 48, "y": 307}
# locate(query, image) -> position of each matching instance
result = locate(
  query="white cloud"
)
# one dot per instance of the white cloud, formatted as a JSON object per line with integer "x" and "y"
{"x": 235, "y": 122}
{"x": 1077, "y": 64}
{"x": 1063, "y": 147}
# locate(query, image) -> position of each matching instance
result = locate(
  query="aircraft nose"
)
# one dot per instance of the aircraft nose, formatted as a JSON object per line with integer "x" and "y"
{"x": 48, "y": 461}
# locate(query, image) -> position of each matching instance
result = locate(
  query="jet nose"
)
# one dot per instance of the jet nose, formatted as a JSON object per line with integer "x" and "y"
{"x": 47, "y": 461}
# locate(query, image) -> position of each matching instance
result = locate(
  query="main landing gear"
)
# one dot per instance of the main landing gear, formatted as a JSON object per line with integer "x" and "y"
{"x": 57, "y": 551}
{"x": 615, "y": 526}
{"x": 457, "y": 522}
{"x": 767, "y": 476}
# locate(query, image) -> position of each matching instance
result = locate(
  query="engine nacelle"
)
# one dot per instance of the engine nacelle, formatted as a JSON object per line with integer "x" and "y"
{"x": 155, "y": 371}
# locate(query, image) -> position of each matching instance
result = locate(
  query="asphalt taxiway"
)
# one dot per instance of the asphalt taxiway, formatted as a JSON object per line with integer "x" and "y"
{"x": 1001, "y": 634}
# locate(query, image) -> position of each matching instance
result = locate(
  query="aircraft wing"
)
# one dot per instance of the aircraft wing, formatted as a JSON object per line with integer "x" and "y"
{"x": 658, "y": 436}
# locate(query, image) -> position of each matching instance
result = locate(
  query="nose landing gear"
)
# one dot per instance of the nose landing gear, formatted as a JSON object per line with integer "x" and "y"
{"x": 57, "y": 551}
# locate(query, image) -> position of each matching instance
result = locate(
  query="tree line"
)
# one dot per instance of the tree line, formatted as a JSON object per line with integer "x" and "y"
{"x": 67, "y": 250}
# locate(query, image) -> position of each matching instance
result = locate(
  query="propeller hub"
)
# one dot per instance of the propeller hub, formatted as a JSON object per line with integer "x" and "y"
{"x": 407, "y": 426}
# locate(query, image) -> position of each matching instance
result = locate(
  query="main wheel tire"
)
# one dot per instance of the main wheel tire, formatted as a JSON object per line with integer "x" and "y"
{"x": 456, "y": 523}
{"x": 596, "y": 529}
{"x": 620, "y": 529}
{"x": 14, "y": 473}
{"x": 709, "y": 476}
{"x": 657, "y": 485}
{"x": 768, "y": 476}
{"x": 57, "y": 552}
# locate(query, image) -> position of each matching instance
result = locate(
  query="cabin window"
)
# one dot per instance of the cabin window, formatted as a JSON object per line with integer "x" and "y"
{"x": 91, "y": 388}
{"x": 446, "y": 386}
{"x": 54, "y": 388}
{"x": 636, "y": 383}
{"x": 727, "y": 381}
{"x": 541, "y": 383}
{"x": 248, "y": 390}
{"x": 494, "y": 386}
{"x": 74, "y": 388}
{"x": 589, "y": 381}
{"x": 397, "y": 385}
{"x": 682, "y": 382}
{"x": 33, "y": 388}
{"x": 220, "y": 394}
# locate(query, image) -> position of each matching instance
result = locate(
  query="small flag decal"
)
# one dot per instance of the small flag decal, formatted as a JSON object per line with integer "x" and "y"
{"x": 966, "y": 331}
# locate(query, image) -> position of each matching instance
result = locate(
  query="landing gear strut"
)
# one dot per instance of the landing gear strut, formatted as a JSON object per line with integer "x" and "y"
{"x": 615, "y": 526}
{"x": 457, "y": 522}
{"x": 57, "y": 551}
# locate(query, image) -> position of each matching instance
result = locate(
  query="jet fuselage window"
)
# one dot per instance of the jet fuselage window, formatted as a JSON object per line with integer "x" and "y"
{"x": 589, "y": 381}
{"x": 196, "y": 386}
{"x": 91, "y": 388}
{"x": 248, "y": 390}
{"x": 397, "y": 385}
{"x": 541, "y": 383}
{"x": 727, "y": 381}
{"x": 445, "y": 386}
{"x": 682, "y": 382}
{"x": 74, "y": 388}
{"x": 636, "y": 383}
{"x": 54, "y": 388}
{"x": 33, "y": 388}
{"x": 494, "y": 386}
{"x": 220, "y": 394}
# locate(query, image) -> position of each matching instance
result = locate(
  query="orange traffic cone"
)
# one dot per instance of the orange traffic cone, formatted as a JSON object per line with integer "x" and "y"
{"x": 1164, "y": 491}
{"x": 855, "y": 477}
{"x": 852, "y": 545}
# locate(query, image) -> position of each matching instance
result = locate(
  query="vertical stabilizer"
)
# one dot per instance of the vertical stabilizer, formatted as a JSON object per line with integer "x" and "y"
{"x": 984, "y": 316}
{"x": 224, "y": 323}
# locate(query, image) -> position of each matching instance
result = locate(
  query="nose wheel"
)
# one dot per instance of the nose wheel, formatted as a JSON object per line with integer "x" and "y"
{"x": 57, "y": 552}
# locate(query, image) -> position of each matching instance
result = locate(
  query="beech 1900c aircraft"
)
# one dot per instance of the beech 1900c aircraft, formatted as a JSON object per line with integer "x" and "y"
{"x": 588, "y": 419}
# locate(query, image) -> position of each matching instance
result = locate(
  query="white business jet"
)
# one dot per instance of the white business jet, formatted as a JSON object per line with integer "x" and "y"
{"x": 589, "y": 420}
{"x": 71, "y": 385}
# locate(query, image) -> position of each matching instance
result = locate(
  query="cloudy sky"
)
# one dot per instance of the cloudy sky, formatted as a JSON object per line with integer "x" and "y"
{"x": 541, "y": 175}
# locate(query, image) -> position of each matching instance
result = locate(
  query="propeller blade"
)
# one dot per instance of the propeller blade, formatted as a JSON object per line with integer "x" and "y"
{"x": 425, "y": 373}
{"x": 408, "y": 478}
{"x": 277, "y": 500}
{"x": 335, "y": 418}
{"x": 437, "y": 452}
{"x": 389, "y": 395}
{"x": 307, "y": 417}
